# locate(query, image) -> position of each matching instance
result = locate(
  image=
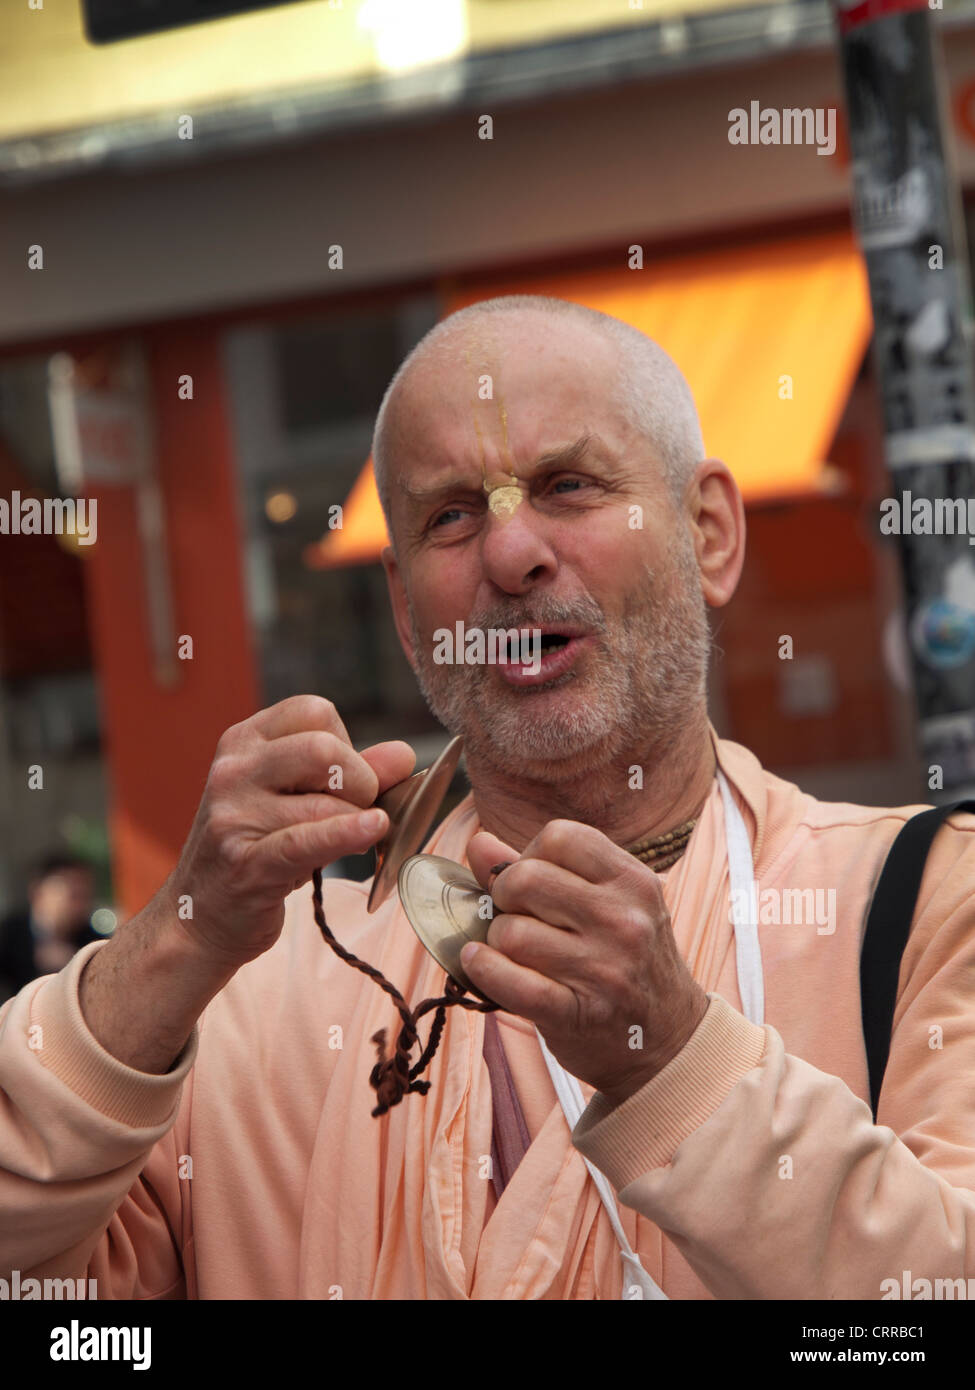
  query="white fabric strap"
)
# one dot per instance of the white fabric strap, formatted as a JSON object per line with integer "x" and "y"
{"x": 570, "y": 1096}
{"x": 751, "y": 986}
{"x": 741, "y": 873}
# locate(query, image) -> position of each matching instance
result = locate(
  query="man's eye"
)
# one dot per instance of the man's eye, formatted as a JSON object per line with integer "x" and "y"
{"x": 574, "y": 483}
{"x": 451, "y": 511}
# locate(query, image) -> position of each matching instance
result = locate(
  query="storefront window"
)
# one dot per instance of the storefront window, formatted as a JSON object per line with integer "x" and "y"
{"x": 52, "y": 783}
{"x": 304, "y": 398}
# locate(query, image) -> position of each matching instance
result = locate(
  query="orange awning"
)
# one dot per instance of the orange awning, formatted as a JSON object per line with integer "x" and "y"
{"x": 361, "y": 538}
{"x": 737, "y": 322}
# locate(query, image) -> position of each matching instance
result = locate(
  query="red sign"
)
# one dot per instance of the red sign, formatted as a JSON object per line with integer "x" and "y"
{"x": 850, "y": 14}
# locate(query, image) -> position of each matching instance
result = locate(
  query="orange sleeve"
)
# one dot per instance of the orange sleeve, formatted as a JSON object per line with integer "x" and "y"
{"x": 89, "y": 1151}
{"x": 770, "y": 1176}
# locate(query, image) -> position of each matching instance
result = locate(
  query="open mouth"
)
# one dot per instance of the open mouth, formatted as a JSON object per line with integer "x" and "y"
{"x": 525, "y": 646}
{"x": 542, "y": 659}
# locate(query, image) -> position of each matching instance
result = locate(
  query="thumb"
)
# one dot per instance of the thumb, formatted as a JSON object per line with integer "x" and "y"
{"x": 485, "y": 852}
{"x": 392, "y": 762}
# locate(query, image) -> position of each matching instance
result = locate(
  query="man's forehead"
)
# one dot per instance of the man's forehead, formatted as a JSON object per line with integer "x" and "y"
{"x": 419, "y": 483}
{"x": 523, "y": 360}
{"x": 502, "y": 399}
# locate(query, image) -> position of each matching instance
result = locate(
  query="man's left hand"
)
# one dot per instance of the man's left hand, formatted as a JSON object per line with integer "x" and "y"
{"x": 581, "y": 945}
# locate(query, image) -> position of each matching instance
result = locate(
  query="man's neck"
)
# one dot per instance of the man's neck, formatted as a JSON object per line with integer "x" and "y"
{"x": 676, "y": 782}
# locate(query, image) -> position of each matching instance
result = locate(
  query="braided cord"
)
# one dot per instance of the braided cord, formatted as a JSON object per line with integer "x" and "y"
{"x": 392, "y": 1077}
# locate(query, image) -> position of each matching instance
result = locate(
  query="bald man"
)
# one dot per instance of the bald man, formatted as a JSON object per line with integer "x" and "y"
{"x": 671, "y": 1100}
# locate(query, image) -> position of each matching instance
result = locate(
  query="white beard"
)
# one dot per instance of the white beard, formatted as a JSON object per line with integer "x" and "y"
{"x": 642, "y": 682}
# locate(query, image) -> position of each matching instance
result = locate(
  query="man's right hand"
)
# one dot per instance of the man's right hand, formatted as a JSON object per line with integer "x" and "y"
{"x": 285, "y": 795}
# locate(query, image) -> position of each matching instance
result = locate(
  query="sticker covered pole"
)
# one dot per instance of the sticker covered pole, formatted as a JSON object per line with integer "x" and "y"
{"x": 908, "y": 218}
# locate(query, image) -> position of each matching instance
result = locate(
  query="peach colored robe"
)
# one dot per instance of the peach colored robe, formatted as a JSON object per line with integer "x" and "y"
{"x": 294, "y": 1190}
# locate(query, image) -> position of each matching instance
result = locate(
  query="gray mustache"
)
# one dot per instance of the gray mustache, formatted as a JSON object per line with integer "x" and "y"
{"x": 589, "y": 617}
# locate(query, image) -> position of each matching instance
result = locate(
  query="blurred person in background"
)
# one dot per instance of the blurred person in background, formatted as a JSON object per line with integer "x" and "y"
{"x": 41, "y": 938}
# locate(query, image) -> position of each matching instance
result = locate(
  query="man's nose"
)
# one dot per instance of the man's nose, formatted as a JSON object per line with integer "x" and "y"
{"x": 515, "y": 551}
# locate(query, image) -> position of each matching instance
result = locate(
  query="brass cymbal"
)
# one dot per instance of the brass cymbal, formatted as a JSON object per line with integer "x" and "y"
{"x": 443, "y": 902}
{"x": 411, "y": 806}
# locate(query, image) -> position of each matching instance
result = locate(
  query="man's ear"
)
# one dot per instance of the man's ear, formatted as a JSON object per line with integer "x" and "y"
{"x": 397, "y": 598}
{"x": 718, "y": 528}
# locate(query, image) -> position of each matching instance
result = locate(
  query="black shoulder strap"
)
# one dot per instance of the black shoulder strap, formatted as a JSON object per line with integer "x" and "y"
{"x": 887, "y": 930}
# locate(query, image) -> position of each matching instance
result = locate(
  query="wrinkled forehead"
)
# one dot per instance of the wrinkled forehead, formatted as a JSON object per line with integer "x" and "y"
{"x": 485, "y": 400}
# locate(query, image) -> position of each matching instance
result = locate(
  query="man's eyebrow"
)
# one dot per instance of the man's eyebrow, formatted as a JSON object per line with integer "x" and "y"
{"x": 565, "y": 457}
{"x": 428, "y": 494}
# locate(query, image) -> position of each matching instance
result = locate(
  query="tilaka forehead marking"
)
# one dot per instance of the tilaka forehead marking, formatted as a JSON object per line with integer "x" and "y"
{"x": 504, "y": 497}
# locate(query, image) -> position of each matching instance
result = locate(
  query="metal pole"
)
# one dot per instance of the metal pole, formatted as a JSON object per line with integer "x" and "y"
{"x": 908, "y": 217}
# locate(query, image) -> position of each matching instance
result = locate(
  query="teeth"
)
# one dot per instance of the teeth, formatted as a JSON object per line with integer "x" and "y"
{"x": 552, "y": 641}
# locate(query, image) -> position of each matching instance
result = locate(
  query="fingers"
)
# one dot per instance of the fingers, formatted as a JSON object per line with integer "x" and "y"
{"x": 314, "y": 761}
{"x": 314, "y": 830}
{"x": 497, "y": 869}
{"x": 298, "y": 714}
{"x": 517, "y": 988}
{"x": 282, "y": 799}
{"x": 582, "y": 849}
{"x": 391, "y": 762}
{"x": 536, "y": 888}
{"x": 277, "y": 812}
{"x": 484, "y": 853}
{"x": 538, "y": 945}
{"x": 309, "y": 741}
{"x": 557, "y": 876}
{"x": 297, "y": 850}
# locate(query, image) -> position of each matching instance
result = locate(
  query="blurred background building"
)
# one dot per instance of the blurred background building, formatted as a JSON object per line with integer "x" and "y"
{"x": 246, "y": 223}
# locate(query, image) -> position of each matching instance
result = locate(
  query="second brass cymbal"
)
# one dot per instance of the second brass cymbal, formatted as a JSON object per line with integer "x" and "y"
{"x": 446, "y": 907}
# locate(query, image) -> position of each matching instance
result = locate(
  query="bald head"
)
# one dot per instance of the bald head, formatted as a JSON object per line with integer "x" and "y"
{"x": 650, "y": 391}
